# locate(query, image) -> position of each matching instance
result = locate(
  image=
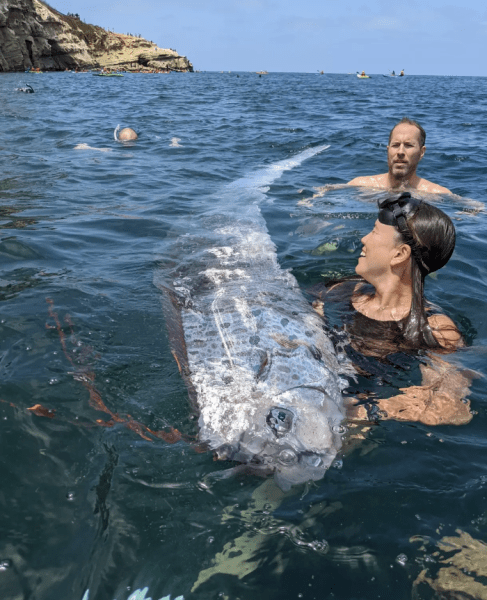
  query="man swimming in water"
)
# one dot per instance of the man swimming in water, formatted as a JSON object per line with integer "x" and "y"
{"x": 127, "y": 134}
{"x": 406, "y": 148}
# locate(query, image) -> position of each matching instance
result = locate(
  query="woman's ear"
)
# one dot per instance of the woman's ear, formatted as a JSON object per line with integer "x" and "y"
{"x": 401, "y": 254}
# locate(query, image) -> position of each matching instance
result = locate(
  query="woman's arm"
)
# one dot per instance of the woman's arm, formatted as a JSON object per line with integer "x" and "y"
{"x": 441, "y": 397}
{"x": 440, "y": 400}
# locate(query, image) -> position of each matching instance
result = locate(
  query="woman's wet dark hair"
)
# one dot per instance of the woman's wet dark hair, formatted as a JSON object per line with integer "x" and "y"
{"x": 431, "y": 235}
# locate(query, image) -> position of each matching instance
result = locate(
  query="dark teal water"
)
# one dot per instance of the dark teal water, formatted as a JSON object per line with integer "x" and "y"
{"x": 85, "y": 506}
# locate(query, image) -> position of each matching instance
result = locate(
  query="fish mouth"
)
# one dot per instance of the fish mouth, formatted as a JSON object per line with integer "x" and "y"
{"x": 286, "y": 456}
{"x": 276, "y": 450}
{"x": 288, "y": 466}
{"x": 307, "y": 467}
{"x": 297, "y": 438}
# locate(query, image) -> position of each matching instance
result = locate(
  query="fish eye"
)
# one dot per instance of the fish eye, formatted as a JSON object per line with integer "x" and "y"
{"x": 280, "y": 420}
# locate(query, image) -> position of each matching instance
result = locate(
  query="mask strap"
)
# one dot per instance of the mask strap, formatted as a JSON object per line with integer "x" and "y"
{"x": 400, "y": 218}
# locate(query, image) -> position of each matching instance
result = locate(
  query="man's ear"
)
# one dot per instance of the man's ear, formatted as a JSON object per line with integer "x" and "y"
{"x": 423, "y": 150}
{"x": 401, "y": 254}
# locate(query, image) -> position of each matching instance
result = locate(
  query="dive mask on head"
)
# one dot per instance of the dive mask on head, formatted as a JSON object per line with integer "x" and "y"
{"x": 395, "y": 212}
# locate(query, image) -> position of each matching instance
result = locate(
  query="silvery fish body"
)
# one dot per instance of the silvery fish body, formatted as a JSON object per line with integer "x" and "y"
{"x": 256, "y": 357}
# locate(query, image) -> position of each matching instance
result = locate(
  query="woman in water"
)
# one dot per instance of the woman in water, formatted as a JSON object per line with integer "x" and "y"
{"x": 389, "y": 318}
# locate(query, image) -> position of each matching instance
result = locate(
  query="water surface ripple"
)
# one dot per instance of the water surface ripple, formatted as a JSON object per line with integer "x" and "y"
{"x": 91, "y": 499}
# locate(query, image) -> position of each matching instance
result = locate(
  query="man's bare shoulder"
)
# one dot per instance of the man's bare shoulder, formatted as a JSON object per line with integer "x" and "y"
{"x": 431, "y": 188}
{"x": 376, "y": 181}
{"x": 382, "y": 182}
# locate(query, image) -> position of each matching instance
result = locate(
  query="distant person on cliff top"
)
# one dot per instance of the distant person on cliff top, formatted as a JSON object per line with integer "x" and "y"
{"x": 406, "y": 148}
{"x": 124, "y": 135}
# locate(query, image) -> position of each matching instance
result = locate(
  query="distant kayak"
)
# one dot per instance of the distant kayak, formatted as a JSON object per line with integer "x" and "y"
{"x": 363, "y": 76}
{"x": 108, "y": 74}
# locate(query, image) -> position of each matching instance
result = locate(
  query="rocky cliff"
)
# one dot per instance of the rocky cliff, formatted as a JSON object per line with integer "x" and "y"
{"x": 32, "y": 34}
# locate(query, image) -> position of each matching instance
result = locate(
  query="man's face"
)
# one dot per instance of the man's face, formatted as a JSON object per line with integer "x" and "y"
{"x": 404, "y": 151}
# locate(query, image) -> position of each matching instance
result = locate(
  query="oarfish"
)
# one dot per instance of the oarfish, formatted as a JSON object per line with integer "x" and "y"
{"x": 257, "y": 360}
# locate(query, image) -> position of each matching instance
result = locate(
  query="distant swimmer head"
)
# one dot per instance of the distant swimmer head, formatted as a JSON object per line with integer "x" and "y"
{"x": 127, "y": 134}
{"x": 124, "y": 135}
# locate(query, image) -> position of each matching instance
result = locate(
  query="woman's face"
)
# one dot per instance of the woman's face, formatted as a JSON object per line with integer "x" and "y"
{"x": 379, "y": 248}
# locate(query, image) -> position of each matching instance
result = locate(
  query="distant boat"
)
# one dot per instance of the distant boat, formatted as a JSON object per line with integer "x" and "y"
{"x": 363, "y": 76}
{"x": 107, "y": 75}
{"x": 262, "y": 73}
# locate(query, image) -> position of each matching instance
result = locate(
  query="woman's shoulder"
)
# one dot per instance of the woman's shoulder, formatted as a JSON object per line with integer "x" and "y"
{"x": 445, "y": 331}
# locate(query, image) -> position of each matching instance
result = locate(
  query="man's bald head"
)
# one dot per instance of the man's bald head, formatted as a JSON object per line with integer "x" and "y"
{"x": 407, "y": 121}
{"x": 127, "y": 134}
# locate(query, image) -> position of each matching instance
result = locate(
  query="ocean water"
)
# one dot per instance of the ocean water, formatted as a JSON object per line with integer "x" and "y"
{"x": 95, "y": 506}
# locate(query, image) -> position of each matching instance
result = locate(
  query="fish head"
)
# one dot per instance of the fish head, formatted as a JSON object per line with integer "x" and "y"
{"x": 274, "y": 401}
{"x": 297, "y": 437}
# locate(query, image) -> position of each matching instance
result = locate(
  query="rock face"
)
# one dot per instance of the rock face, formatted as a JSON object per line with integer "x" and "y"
{"x": 32, "y": 34}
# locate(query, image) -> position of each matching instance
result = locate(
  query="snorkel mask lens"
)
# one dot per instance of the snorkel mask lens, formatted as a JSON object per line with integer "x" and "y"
{"x": 395, "y": 211}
